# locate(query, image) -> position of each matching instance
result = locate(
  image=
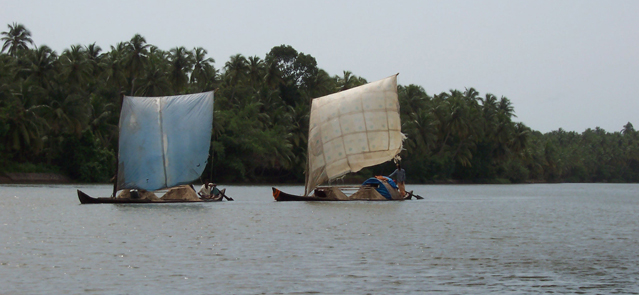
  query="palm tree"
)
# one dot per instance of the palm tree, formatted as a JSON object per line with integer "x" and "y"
{"x": 421, "y": 130}
{"x": 155, "y": 81}
{"x": 274, "y": 77}
{"x": 489, "y": 114}
{"x": 628, "y": 130}
{"x": 25, "y": 128}
{"x": 75, "y": 67}
{"x": 519, "y": 140}
{"x": 181, "y": 61}
{"x": 67, "y": 112}
{"x": 41, "y": 66}
{"x": 8, "y": 72}
{"x": 113, "y": 64}
{"x": 506, "y": 107}
{"x": 136, "y": 58}
{"x": 200, "y": 65}
{"x": 236, "y": 69}
{"x": 319, "y": 84}
{"x": 412, "y": 99}
{"x": 93, "y": 56}
{"x": 16, "y": 39}
{"x": 347, "y": 81}
{"x": 255, "y": 69}
{"x": 103, "y": 120}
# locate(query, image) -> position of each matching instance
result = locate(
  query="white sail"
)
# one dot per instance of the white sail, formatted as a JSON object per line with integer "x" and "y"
{"x": 164, "y": 141}
{"x": 353, "y": 129}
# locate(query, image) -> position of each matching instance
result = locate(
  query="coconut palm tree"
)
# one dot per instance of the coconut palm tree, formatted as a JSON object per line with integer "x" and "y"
{"x": 16, "y": 39}
{"x": 181, "y": 61}
{"x": 155, "y": 81}
{"x": 137, "y": 56}
{"x": 25, "y": 127}
{"x": 103, "y": 119}
{"x": 67, "y": 111}
{"x": 75, "y": 67}
{"x": 93, "y": 56}
{"x": 421, "y": 130}
{"x": 347, "y": 81}
{"x": 273, "y": 77}
{"x": 236, "y": 69}
{"x": 113, "y": 64}
{"x": 255, "y": 70}
{"x": 319, "y": 84}
{"x": 201, "y": 63}
{"x": 41, "y": 66}
{"x": 628, "y": 130}
{"x": 412, "y": 99}
{"x": 519, "y": 139}
{"x": 506, "y": 107}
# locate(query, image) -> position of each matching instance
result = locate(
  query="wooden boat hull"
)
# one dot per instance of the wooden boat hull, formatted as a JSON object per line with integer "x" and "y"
{"x": 86, "y": 199}
{"x": 281, "y": 196}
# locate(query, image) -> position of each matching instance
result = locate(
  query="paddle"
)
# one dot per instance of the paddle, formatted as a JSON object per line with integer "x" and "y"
{"x": 411, "y": 194}
{"x": 224, "y": 195}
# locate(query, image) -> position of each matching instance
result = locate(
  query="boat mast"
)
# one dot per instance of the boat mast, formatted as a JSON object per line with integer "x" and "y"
{"x": 211, "y": 140}
{"x": 117, "y": 151}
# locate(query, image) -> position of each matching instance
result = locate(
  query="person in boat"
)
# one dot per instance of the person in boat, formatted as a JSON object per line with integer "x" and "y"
{"x": 215, "y": 192}
{"x": 401, "y": 179}
{"x": 205, "y": 190}
{"x": 210, "y": 191}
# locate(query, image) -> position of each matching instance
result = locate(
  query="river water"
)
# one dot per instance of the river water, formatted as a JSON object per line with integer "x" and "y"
{"x": 461, "y": 239}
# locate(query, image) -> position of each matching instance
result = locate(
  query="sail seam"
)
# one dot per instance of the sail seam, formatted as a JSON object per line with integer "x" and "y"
{"x": 388, "y": 131}
{"x": 162, "y": 136}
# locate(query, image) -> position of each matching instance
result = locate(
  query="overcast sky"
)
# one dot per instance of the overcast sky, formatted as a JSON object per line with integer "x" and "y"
{"x": 568, "y": 64}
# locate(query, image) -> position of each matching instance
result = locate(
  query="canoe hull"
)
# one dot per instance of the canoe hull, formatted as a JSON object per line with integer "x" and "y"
{"x": 86, "y": 199}
{"x": 281, "y": 196}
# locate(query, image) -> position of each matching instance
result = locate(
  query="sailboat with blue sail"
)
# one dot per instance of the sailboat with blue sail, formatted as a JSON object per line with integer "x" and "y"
{"x": 163, "y": 144}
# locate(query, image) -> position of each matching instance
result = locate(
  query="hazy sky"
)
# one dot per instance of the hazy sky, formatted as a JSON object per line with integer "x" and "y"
{"x": 568, "y": 64}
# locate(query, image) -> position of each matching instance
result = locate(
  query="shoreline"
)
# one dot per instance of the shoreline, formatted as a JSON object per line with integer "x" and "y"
{"x": 33, "y": 178}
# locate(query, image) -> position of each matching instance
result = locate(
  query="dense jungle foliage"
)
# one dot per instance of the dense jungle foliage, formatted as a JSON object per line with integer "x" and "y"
{"x": 59, "y": 113}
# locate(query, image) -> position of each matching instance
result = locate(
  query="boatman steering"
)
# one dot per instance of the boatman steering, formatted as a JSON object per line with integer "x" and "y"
{"x": 401, "y": 179}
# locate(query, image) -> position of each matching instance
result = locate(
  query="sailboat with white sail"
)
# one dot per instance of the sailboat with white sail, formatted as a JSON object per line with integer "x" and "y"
{"x": 348, "y": 131}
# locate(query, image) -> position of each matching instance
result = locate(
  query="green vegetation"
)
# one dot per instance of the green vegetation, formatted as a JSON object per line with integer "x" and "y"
{"x": 59, "y": 113}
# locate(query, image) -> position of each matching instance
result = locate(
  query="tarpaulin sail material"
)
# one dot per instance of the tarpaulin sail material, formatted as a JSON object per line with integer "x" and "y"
{"x": 164, "y": 141}
{"x": 381, "y": 188}
{"x": 353, "y": 129}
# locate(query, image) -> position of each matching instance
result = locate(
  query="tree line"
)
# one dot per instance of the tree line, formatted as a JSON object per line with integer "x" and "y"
{"x": 59, "y": 113}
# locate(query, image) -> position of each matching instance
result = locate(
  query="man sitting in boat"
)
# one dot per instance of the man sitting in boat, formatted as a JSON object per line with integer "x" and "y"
{"x": 210, "y": 191}
{"x": 205, "y": 190}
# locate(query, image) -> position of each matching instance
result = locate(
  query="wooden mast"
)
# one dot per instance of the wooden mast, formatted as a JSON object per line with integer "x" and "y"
{"x": 117, "y": 150}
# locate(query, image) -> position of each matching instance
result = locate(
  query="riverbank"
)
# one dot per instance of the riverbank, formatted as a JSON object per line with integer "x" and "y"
{"x": 33, "y": 178}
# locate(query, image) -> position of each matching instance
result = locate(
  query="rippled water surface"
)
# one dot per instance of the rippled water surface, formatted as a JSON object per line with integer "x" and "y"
{"x": 543, "y": 238}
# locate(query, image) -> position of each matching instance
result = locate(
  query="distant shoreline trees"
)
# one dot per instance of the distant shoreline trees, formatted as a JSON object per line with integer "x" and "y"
{"x": 59, "y": 113}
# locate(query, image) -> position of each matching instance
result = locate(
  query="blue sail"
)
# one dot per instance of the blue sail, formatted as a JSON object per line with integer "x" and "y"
{"x": 164, "y": 141}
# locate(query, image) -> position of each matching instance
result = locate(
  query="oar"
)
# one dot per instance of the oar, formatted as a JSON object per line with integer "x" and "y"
{"x": 411, "y": 194}
{"x": 227, "y": 197}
